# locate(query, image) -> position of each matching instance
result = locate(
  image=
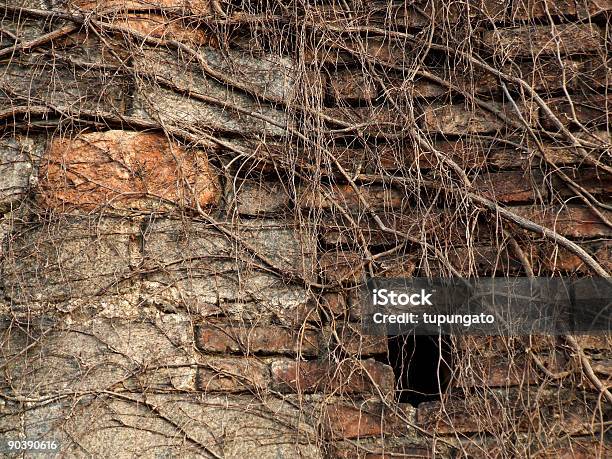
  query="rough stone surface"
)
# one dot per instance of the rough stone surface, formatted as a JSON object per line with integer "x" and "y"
{"x": 160, "y": 424}
{"x": 188, "y": 97}
{"x": 154, "y": 354}
{"x": 18, "y": 158}
{"x": 202, "y": 269}
{"x": 232, "y": 375}
{"x": 32, "y": 80}
{"x": 259, "y": 198}
{"x": 74, "y": 257}
{"x": 125, "y": 170}
{"x": 194, "y": 6}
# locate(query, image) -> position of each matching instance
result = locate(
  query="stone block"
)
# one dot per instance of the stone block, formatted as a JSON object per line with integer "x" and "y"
{"x": 100, "y": 354}
{"x": 33, "y": 79}
{"x": 259, "y": 198}
{"x": 531, "y": 9}
{"x": 125, "y": 170}
{"x": 73, "y": 257}
{"x": 188, "y": 95}
{"x": 200, "y": 7}
{"x": 197, "y": 266}
{"x": 18, "y": 160}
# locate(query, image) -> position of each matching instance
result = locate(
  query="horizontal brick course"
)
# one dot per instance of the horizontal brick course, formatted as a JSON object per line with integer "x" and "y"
{"x": 348, "y": 377}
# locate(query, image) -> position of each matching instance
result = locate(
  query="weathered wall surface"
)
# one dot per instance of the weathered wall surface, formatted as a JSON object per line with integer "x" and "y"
{"x": 190, "y": 192}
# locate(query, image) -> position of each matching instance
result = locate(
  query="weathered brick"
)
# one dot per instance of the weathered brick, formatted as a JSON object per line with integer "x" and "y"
{"x": 510, "y": 187}
{"x": 530, "y": 9}
{"x": 544, "y": 40}
{"x": 375, "y": 48}
{"x": 589, "y": 179}
{"x": 505, "y": 369}
{"x": 565, "y": 411}
{"x": 344, "y": 421}
{"x": 352, "y": 86}
{"x": 375, "y": 121}
{"x": 348, "y": 338}
{"x": 232, "y": 375}
{"x": 485, "y": 259}
{"x": 382, "y": 448}
{"x": 277, "y": 340}
{"x": 124, "y": 170}
{"x": 256, "y": 340}
{"x": 166, "y": 28}
{"x": 459, "y": 120}
{"x": 591, "y": 110}
{"x": 193, "y": 6}
{"x": 341, "y": 266}
{"x": 348, "y": 377}
{"x": 568, "y": 220}
{"x": 555, "y": 258}
{"x": 333, "y": 304}
{"x": 377, "y": 197}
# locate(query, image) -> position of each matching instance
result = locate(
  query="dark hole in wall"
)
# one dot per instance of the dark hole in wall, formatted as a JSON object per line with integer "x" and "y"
{"x": 422, "y": 367}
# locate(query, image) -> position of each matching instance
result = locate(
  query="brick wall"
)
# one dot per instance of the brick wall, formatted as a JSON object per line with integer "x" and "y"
{"x": 191, "y": 192}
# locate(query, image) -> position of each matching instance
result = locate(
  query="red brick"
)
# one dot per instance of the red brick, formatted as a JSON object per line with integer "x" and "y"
{"x": 510, "y": 187}
{"x": 376, "y": 48}
{"x": 530, "y": 9}
{"x": 381, "y": 449}
{"x": 377, "y": 197}
{"x": 591, "y": 180}
{"x": 349, "y": 377}
{"x": 369, "y": 420}
{"x": 334, "y": 304}
{"x": 349, "y": 339}
{"x": 352, "y": 86}
{"x": 256, "y": 340}
{"x": 569, "y": 221}
{"x": 591, "y": 110}
{"x": 457, "y": 119}
{"x": 505, "y": 370}
{"x": 555, "y": 258}
{"x": 341, "y": 267}
{"x": 124, "y": 170}
{"x": 540, "y": 40}
{"x": 556, "y": 410}
{"x": 232, "y": 375}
